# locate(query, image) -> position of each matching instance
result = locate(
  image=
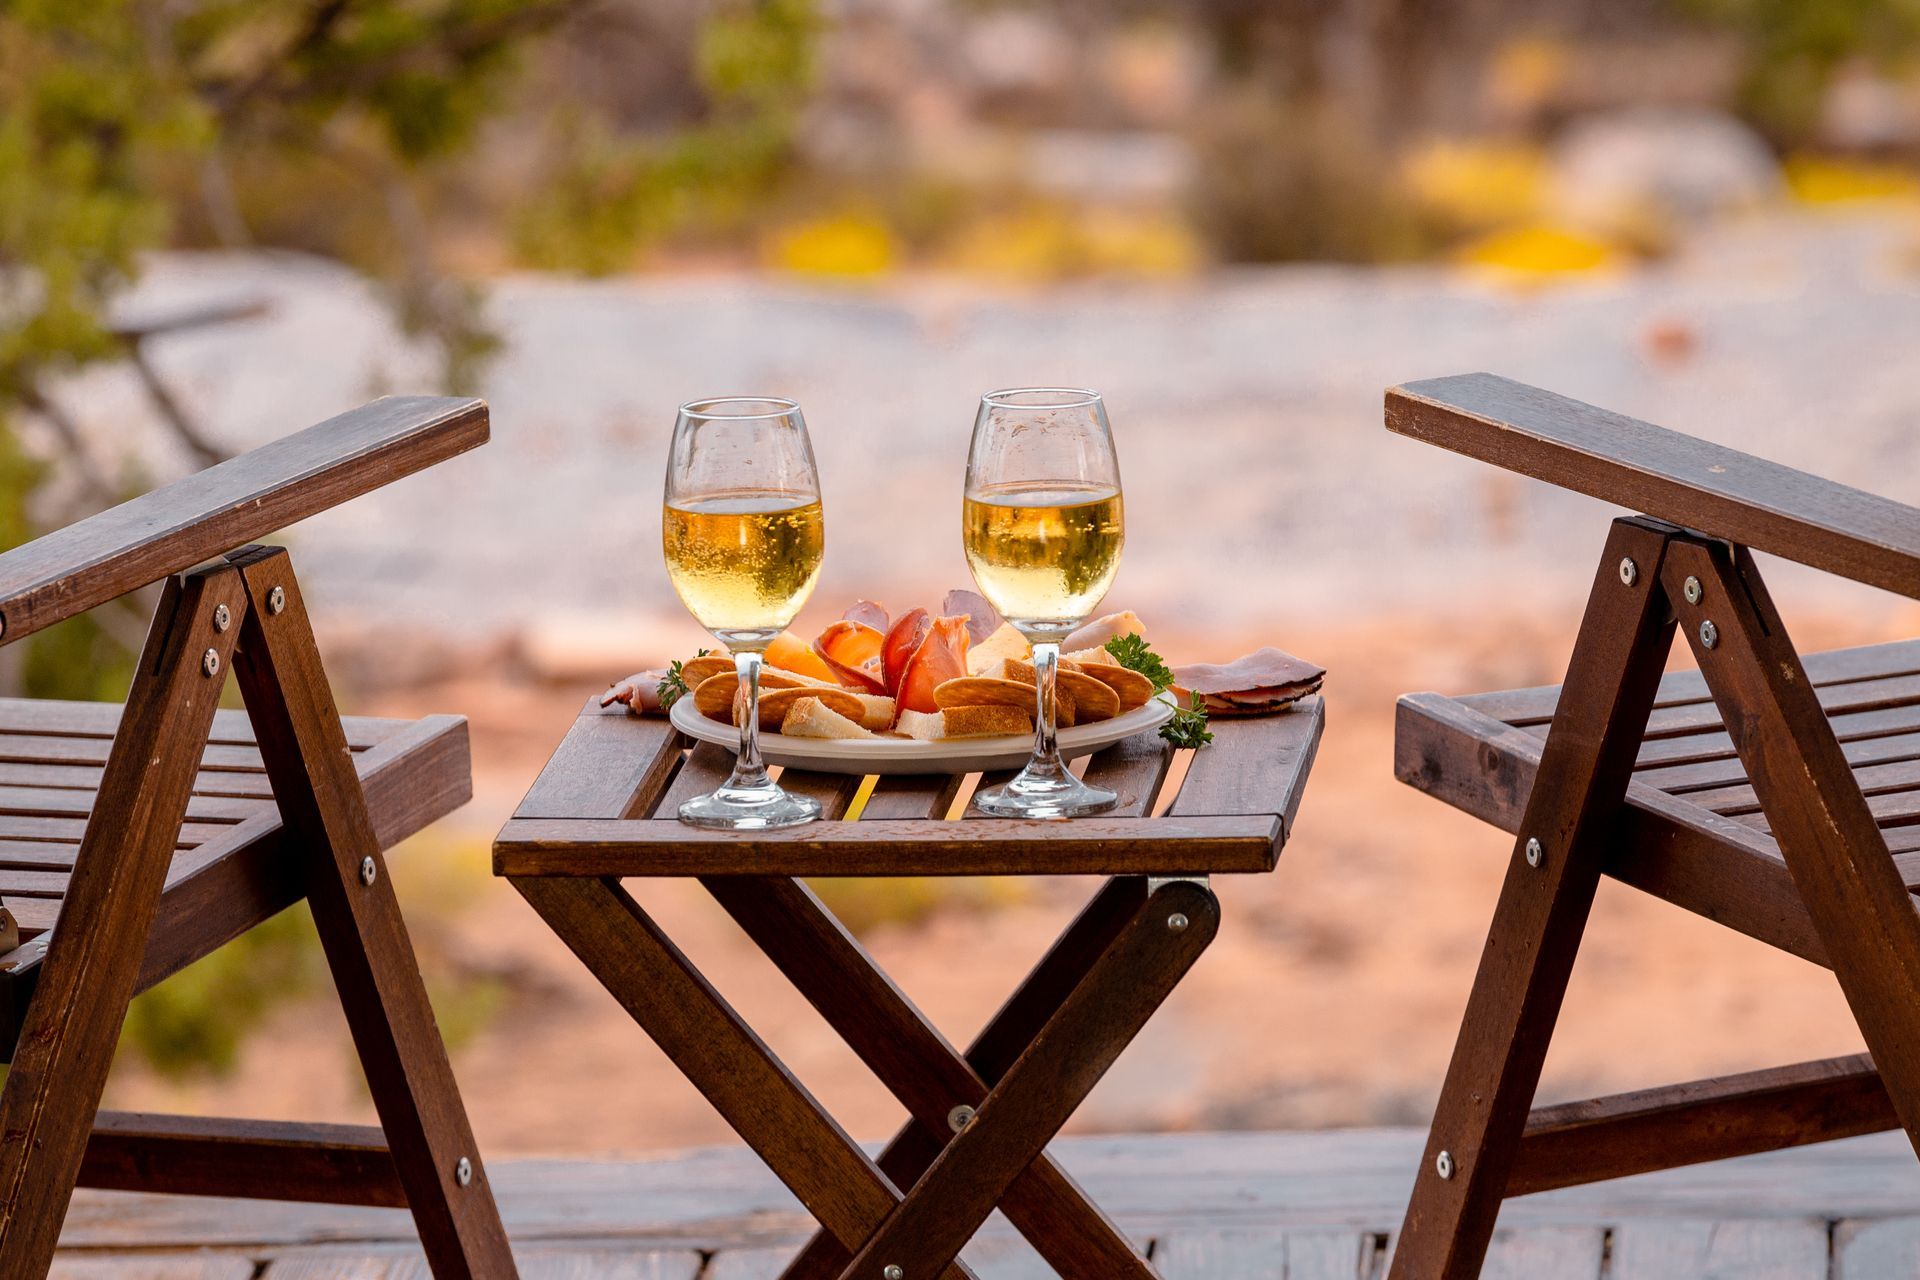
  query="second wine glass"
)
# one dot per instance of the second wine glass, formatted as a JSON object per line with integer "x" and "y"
{"x": 1043, "y": 526}
{"x": 744, "y": 537}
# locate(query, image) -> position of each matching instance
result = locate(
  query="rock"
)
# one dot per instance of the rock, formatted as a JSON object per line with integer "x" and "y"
{"x": 1625, "y": 169}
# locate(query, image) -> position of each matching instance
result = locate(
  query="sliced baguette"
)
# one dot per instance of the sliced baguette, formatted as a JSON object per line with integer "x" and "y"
{"x": 811, "y": 718}
{"x": 964, "y": 722}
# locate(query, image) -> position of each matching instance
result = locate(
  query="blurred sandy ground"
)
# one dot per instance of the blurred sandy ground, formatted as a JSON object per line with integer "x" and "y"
{"x": 1266, "y": 505}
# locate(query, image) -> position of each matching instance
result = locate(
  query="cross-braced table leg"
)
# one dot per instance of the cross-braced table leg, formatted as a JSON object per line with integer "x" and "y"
{"x": 910, "y": 1056}
{"x": 722, "y": 1057}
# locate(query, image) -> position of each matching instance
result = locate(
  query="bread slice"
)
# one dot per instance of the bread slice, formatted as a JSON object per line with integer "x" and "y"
{"x": 811, "y": 718}
{"x": 964, "y": 722}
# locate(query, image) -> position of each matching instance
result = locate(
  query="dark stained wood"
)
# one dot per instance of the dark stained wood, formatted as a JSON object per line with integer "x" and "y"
{"x": 1133, "y": 770}
{"x": 1000, "y": 1043}
{"x": 202, "y": 516}
{"x": 1047, "y": 1083}
{"x": 365, "y": 939}
{"x": 254, "y": 1159}
{"x": 696, "y": 1028}
{"x": 1717, "y": 1119}
{"x": 910, "y": 1056}
{"x": 1086, "y": 846}
{"x": 59, "y": 1067}
{"x": 1666, "y": 475}
{"x": 909, "y": 795}
{"x": 1252, "y": 763}
{"x": 1674, "y": 850}
{"x": 1825, "y": 830}
{"x": 1611, "y": 682}
{"x": 612, "y": 764}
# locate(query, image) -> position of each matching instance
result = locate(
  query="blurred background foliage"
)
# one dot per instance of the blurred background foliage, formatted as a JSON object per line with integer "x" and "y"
{"x": 429, "y": 144}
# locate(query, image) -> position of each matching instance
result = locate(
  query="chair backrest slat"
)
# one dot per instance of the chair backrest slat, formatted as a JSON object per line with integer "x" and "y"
{"x": 1673, "y": 477}
{"x": 239, "y": 501}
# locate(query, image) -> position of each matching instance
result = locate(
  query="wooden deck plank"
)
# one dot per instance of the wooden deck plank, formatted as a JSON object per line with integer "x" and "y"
{"x": 152, "y": 1266}
{"x": 1873, "y": 1250}
{"x": 1730, "y": 1249}
{"x": 1251, "y": 1253}
{"x": 603, "y": 1263}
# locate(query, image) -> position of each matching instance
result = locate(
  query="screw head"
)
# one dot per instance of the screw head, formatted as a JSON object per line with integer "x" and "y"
{"x": 1692, "y": 590}
{"x": 959, "y": 1118}
{"x": 892, "y": 1271}
{"x": 222, "y": 617}
{"x": 1443, "y": 1165}
{"x": 1709, "y": 634}
{"x": 368, "y": 871}
{"x": 463, "y": 1172}
{"x": 1178, "y": 921}
{"x": 1536, "y": 854}
{"x": 210, "y": 662}
{"x": 1629, "y": 571}
{"x": 276, "y": 599}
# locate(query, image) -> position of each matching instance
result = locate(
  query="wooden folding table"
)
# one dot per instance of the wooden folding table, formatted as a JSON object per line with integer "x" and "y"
{"x": 980, "y": 1121}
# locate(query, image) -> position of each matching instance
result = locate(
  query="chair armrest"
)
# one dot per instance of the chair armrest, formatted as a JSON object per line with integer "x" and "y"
{"x": 182, "y": 524}
{"x": 1673, "y": 477}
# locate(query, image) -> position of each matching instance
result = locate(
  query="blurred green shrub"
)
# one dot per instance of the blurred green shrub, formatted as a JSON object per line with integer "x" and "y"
{"x": 1288, "y": 181}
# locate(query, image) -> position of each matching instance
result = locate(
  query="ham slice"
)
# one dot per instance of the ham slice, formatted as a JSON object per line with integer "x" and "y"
{"x": 1264, "y": 681}
{"x": 982, "y": 618}
{"x": 639, "y": 693}
{"x": 1093, "y": 635}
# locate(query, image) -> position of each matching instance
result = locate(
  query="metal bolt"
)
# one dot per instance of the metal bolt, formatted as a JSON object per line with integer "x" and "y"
{"x": 1629, "y": 571}
{"x": 222, "y": 617}
{"x": 959, "y": 1118}
{"x": 1693, "y": 590}
{"x": 1535, "y": 853}
{"x": 1443, "y": 1165}
{"x": 463, "y": 1172}
{"x": 1709, "y": 634}
{"x": 1177, "y": 921}
{"x": 210, "y": 662}
{"x": 368, "y": 872}
{"x": 276, "y": 599}
{"x": 892, "y": 1271}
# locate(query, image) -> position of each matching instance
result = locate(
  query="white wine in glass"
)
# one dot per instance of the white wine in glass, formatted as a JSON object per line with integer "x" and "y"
{"x": 744, "y": 536}
{"x": 1043, "y": 523}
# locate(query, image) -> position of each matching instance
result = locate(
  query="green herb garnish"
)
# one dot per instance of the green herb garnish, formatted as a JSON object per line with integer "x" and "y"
{"x": 1131, "y": 652}
{"x": 1188, "y": 728}
{"x": 673, "y": 685}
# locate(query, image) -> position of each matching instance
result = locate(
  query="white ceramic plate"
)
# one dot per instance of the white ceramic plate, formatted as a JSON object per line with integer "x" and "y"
{"x": 906, "y": 755}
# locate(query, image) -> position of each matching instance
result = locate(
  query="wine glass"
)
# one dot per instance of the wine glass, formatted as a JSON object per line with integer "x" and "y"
{"x": 744, "y": 537}
{"x": 1043, "y": 529}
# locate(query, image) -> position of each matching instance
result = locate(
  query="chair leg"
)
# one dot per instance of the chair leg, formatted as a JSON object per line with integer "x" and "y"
{"x": 1622, "y": 648}
{"x": 73, "y": 1021}
{"x": 1821, "y": 821}
{"x": 305, "y": 751}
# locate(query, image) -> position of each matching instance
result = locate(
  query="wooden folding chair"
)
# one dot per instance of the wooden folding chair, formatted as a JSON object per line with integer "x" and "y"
{"x": 1776, "y": 796}
{"x": 136, "y": 839}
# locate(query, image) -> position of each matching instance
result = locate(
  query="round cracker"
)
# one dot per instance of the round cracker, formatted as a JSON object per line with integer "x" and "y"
{"x": 1092, "y": 700}
{"x": 1132, "y": 688}
{"x": 982, "y": 691}
{"x": 774, "y": 704}
{"x": 695, "y": 671}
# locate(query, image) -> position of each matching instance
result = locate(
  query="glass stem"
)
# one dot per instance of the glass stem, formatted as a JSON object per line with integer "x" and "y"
{"x": 1046, "y": 744}
{"x": 749, "y": 771}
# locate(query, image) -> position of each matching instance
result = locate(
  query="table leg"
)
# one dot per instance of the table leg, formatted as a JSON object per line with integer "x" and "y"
{"x": 910, "y": 1056}
{"x": 1045, "y": 1084}
{"x": 722, "y": 1057}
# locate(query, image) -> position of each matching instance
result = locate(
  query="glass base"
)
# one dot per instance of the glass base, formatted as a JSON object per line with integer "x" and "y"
{"x": 1029, "y": 795}
{"x": 749, "y": 809}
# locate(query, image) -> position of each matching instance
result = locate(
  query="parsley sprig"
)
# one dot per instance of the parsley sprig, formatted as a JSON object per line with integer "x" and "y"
{"x": 1188, "y": 727}
{"x": 1131, "y": 652}
{"x": 673, "y": 685}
